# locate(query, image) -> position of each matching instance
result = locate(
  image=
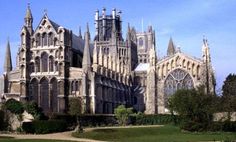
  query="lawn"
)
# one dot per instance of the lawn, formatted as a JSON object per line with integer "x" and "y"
{"x": 9, "y": 139}
{"x": 154, "y": 134}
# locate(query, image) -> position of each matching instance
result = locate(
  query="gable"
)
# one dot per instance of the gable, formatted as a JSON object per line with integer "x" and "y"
{"x": 46, "y": 25}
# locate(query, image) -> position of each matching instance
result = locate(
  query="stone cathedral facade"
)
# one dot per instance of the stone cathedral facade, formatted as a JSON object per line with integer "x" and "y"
{"x": 54, "y": 65}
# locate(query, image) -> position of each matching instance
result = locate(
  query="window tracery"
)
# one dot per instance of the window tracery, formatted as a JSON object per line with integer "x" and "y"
{"x": 177, "y": 79}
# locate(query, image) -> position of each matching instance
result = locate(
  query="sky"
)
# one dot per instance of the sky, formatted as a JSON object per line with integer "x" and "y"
{"x": 185, "y": 21}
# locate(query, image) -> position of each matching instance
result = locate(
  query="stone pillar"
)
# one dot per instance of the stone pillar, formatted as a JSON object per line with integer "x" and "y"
{"x": 39, "y": 95}
{"x": 50, "y": 97}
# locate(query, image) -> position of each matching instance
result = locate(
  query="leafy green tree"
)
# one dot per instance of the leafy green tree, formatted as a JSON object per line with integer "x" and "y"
{"x": 75, "y": 109}
{"x": 122, "y": 114}
{"x": 14, "y": 106}
{"x": 194, "y": 107}
{"x": 229, "y": 94}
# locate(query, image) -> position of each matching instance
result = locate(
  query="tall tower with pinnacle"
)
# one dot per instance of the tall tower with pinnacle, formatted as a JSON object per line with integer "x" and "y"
{"x": 8, "y": 61}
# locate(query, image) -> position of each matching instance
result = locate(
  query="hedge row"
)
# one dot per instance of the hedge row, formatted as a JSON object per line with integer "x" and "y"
{"x": 87, "y": 120}
{"x": 44, "y": 126}
{"x": 98, "y": 120}
{"x": 155, "y": 119}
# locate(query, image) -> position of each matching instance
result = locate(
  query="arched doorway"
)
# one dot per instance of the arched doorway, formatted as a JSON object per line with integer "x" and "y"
{"x": 177, "y": 79}
{"x": 44, "y": 93}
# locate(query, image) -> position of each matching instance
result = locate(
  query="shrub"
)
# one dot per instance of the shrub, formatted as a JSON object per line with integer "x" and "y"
{"x": 69, "y": 119}
{"x": 154, "y": 119}
{"x": 229, "y": 126}
{"x": 28, "y": 127}
{"x": 122, "y": 114}
{"x": 98, "y": 120}
{"x": 44, "y": 126}
{"x": 193, "y": 106}
{"x": 14, "y": 106}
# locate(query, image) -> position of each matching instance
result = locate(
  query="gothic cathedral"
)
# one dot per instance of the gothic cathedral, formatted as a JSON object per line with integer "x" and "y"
{"x": 54, "y": 64}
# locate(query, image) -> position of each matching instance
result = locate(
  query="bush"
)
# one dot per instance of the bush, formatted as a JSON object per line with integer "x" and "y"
{"x": 194, "y": 107}
{"x": 122, "y": 114}
{"x": 229, "y": 126}
{"x": 69, "y": 119}
{"x": 98, "y": 120}
{"x": 44, "y": 126}
{"x": 28, "y": 127}
{"x": 154, "y": 119}
{"x": 14, "y": 106}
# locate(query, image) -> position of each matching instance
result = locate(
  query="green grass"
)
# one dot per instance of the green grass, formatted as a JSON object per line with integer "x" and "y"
{"x": 153, "y": 134}
{"x": 10, "y": 139}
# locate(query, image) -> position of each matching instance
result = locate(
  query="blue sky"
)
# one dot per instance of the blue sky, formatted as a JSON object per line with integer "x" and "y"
{"x": 185, "y": 21}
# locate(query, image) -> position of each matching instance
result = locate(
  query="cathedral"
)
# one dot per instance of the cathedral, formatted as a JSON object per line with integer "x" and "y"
{"x": 54, "y": 65}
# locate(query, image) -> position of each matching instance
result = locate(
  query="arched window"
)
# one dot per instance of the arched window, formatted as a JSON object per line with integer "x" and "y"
{"x": 50, "y": 39}
{"x": 73, "y": 86}
{"x": 44, "y": 94}
{"x": 38, "y": 41}
{"x": 44, "y": 58}
{"x": 54, "y": 92}
{"x": 177, "y": 79}
{"x": 31, "y": 68}
{"x": 51, "y": 64}
{"x": 34, "y": 90}
{"x": 22, "y": 38}
{"x": 37, "y": 64}
{"x": 76, "y": 86}
{"x": 55, "y": 41}
{"x": 44, "y": 39}
{"x": 140, "y": 42}
{"x": 56, "y": 66}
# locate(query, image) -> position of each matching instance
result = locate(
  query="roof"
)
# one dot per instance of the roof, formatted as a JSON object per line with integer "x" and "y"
{"x": 142, "y": 67}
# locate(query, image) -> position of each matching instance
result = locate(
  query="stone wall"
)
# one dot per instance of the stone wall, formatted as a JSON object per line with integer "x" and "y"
{"x": 222, "y": 116}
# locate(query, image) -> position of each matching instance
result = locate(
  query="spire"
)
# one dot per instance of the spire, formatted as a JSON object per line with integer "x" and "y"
{"x": 80, "y": 35}
{"x": 86, "y": 57}
{"x": 113, "y": 32}
{"x": 28, "y": 13}
{"x": 29, "y": 19}
{"x": 8, "y": 63}
{"x": 171, "y": 48}
{"x": 128, "y": 35}
{"x": 206, "y": 50}
{"x": 88, "y": 31}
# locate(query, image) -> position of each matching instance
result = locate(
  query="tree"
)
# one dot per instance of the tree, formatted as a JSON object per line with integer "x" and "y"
{"x": 14, "y": 106}
{"x": 194, "y": 107}
{"x": 229, "y": 94}
{"x": 75, "y": 109}
{"x": 122, "y": 114}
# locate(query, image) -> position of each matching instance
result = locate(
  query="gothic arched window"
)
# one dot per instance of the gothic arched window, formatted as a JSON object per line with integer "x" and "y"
{"x": 177, "y": 79}
{"x": 37, "y": 64}
{"x": 140, "y": 42}
{"x": 51, "y": 64}
{"x": 54, "y": 93}
{"x": 31, "y": 68}
{"x": 44, "y": 94}
{"x": 44, "y": 58}
{"x": 38, "y": 41}
{"x": 34, "y": 90}
{"x": 44, "y": 39}
{"x": 76, "y": 86}
{"x": 50, "y": 39}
